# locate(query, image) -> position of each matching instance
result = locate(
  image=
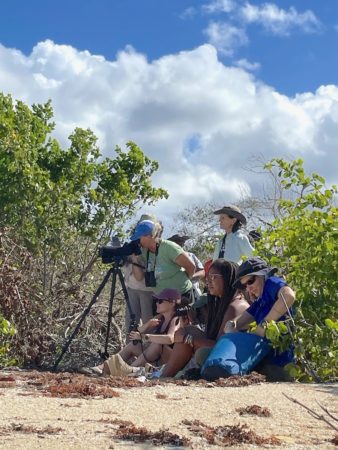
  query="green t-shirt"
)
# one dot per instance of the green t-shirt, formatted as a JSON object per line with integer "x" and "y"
{"x": 168, "y": 274}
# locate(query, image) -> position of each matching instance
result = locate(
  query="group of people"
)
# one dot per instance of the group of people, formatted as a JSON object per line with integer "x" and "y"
{"x": 210, "y": 334}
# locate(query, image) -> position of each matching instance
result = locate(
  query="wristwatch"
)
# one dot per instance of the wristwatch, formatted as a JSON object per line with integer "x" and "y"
{"x": 146, "y": 337}
{"x": 264, "y": 324}
{"x": 232, "y": 323}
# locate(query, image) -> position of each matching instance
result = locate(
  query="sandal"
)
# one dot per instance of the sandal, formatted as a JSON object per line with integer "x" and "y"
{"x": 96, "y": 370}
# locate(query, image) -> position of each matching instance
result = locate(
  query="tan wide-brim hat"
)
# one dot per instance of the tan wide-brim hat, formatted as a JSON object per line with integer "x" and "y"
{"x": 234, "y": 211}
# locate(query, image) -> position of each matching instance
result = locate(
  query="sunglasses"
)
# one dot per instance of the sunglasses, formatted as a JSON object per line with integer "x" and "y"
{"x": 160, "y": 300}
{"x": 248, "y": 283}
{"x": 213, "y": 276}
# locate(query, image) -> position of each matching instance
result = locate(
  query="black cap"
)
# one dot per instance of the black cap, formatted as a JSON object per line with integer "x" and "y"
{"x": 253, "y": 266}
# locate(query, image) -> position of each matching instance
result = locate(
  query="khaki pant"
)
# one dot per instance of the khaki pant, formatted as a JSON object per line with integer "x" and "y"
{"x": 141, "y": 303}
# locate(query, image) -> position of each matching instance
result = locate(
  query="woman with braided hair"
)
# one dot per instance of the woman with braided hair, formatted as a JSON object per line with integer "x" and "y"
{"x": 224, "y": 304}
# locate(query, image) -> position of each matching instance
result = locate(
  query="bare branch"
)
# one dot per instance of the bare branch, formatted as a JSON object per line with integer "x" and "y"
{"x": 312, "y": 413}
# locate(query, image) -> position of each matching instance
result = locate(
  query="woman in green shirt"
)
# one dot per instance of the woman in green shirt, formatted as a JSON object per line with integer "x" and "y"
{"x": 166, "y": 264}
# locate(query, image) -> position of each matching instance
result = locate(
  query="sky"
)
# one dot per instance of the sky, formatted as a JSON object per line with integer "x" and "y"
{"x": 204, "y": 87}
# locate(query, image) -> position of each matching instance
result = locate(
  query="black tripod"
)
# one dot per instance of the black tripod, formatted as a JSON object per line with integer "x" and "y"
{"x": 115, "y": 270}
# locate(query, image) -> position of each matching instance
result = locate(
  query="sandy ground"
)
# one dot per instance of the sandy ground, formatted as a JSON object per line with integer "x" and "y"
{"x": 31, "y": 419}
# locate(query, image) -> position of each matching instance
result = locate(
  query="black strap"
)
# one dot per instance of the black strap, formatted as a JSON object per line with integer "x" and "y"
{"x": 156, "y": 253}
{"x": 222, "y": 249}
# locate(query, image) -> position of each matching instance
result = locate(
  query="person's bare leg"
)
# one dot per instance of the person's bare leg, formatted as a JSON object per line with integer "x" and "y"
{"x": 130, "y": 351}
{"x": 179, "y": 358}
{"x": 181, "y": 353}
{"x": 150, "y": 354}
{"x": 166, "y": 354}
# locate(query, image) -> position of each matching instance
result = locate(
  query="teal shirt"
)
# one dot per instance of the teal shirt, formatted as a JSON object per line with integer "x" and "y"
{"x": 169, "y": 274}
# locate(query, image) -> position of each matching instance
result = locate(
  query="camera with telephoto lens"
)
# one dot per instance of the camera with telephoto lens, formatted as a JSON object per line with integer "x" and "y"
{"x": 183, "y": 311}
{"x": 134, "y": 327}
{"x": 117, "y": 253}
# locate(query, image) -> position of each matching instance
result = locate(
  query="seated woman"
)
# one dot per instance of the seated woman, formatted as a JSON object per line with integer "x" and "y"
{"x": 224, "y": 303}
{"x": 152, "y": 342}
{"x": 238, "y": 353}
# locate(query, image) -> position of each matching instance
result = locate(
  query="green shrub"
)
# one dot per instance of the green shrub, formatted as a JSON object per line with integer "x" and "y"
{"x": 6, "y": 332}
{"x": 303, "y": 243}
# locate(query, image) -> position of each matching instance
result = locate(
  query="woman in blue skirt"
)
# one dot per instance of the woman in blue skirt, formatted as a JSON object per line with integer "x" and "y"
{"x": 238, "y": 352}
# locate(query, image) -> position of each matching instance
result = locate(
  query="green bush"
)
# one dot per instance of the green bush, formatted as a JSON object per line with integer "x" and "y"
{"x": 6, "y": 332}
{"x": 303, "y": 243}
{"x": 58, "y": 205}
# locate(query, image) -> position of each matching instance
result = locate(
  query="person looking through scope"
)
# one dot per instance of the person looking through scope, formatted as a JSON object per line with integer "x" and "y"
{"x": 166, "y": 264}
{"x": 140, "y": 296}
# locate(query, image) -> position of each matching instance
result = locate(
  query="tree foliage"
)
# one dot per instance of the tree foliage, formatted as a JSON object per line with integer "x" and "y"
{"x": 298, "y": 221}
{"x": 303, "y": 243}
{"x": 59, "y": 205}
{"x": 6, "y": 331}
{"x": 46, "y": 191}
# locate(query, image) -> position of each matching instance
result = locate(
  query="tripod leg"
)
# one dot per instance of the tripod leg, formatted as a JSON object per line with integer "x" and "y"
{"x": 105, "y": 354}
{"x": 82, "y": 318}
{"x": 133, "y": 324}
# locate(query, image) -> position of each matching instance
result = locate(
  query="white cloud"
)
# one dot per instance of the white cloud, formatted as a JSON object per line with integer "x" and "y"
{"x": 199, "y": 118}
{"x": 216, "y": 6}
{"x": 277, "y": 20}
{"x": 247, "y": 65}
{"x": 225, "y": 37}
{"x": 189, "y": 13}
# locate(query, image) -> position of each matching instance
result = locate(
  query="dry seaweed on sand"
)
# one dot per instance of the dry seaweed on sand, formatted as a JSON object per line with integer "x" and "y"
{"x": 233, "y": 381}
{"x": 28, "y": 429}
{"x": 7, "y": 381}
{"x": 45, "y": 381}
{"x": 228, "y": 435}
{"x": 81, "y": 389}
{"x": 254, "y": 410}
{"x": 129, "y": 432}
{"x": 161, "y": 396}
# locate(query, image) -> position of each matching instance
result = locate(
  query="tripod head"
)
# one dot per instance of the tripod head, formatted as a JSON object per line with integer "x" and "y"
{"x": 116, "y": 254}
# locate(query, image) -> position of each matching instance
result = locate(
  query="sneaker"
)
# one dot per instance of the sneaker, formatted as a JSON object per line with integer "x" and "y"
{"x": 137, "y": 372}
{"x": 155, "y": 373}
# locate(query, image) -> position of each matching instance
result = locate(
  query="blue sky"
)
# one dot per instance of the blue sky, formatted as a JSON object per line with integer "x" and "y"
{"x": 204, "y": 87}
{"x": 294, "y": 61}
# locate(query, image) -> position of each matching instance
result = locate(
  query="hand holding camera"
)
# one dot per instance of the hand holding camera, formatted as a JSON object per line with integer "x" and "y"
{"x": 135, "y": 336}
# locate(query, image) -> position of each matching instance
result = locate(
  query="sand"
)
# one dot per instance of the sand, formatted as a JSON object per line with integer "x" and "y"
{"x": 31, "y": 419}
